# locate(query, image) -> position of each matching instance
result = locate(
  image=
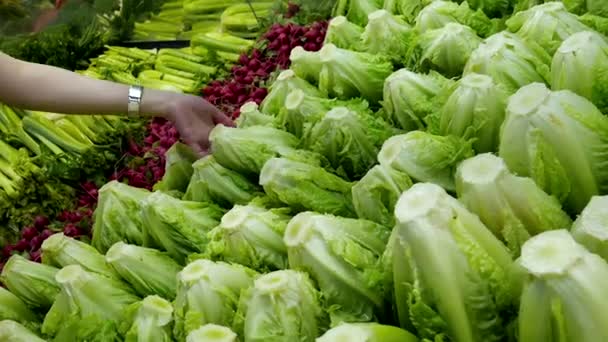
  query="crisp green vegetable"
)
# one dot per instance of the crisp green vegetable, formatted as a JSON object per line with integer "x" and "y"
{"x": 286, "y": 82}
{"x": 376, "y": 194}
{"x": 346, "y": 74}
{"x": 426, "y": 157}
{"x": 387, "y": 35}
{"x": 512, "y": 207}
{"x": 90, "y": 306}
{"x": 306, "y": 187}
{"x": 452, "y": 278}
{"x": 510, "y": 61}
{"x": 178, "y": 168}
{"x": 305, "y": 64}
{"x": 356, "y": 11}
{"x": 475, "y": 109}
{"x": 250, "y": 115}
{"x": 176, "y": 226}
{"x": 32, "y": 282}
{"x": 59, "y": 250}
{"x": 557, "y": 267}
{"x": 593, "y": 7}
{"x": 408, "y": 9}
{"x": 446, "y": 49}
{"x": 246, "y": 150}
{"x": 591, "y": 229}
{"x": 251, "y": 236}
{"x": 410, "y": 97}
{"x": 212, "y": 333}
{"x": 366, "y": 332}
{"x": 148, "y": 271}
{"x": 15, "y": 332}
{"x": 343, "y": 33}
{"x": 439, "y": 13}
{"x": 117, "y": 217}
{"x": 583, "y": 56}
{"x": 342, "y": 256}
{"x": 349, "y": 139}
{"x": 548, "y": 25}
{"x": 208, "y": 292}
{"x": 13, "y": 308}
{"x": 212, "y": 182}
{"x": 280, "y": 306}
{"x": 557, "y": 139}
{"x": 152, "y": 321}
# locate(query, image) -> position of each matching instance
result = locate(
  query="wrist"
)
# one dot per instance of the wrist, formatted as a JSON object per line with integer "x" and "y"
{"x": 155, "y": 103}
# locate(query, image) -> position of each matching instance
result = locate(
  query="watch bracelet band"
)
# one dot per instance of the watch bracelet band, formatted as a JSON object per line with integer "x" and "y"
{"x": 136, "y": 93}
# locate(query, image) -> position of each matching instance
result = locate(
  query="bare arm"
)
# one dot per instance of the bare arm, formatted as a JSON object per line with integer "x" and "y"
{"x": 45, "y": 88}
{"x": 50, "y": 89}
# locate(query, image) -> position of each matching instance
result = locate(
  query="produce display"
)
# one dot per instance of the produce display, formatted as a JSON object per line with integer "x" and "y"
{"x": 404, "y": 171}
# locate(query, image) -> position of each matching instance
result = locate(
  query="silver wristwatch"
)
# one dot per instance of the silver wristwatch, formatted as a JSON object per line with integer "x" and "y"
{"x": 135, "y": 94}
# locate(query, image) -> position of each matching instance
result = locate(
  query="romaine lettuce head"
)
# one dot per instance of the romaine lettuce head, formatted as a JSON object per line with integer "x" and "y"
{"x": 426, "y": 157}
{"x": 547, "y": 24}
{"x": 346, "y": 74}
{"x": 591, "y": 227}
{"x": 15, "y": 332}
{"x": 350, "y": 140}
{"x": 286, "y": 82}
{"x": 593, "y": 7}
{"x": 176, "y": 226}
{"x": 90, "y": 306}
{"x": 475, "y": 109}
{"x": 439, "y": 13}
{"x": 446, "y": 49}
{"x": 407, "y": 9}
{"x": 250, "y": 115}
{"x": 453, "y": 278}
{"x": 212, "y": 333}
{"x": 512, "y": 207}
{"x": 376, "y": 194}
{"x": 357, "y": 11}
{"x": 281, "y": 306}
{"x": 493, "y": 8}
{"x": 581, "y": 65}
{"x": 32, "y": 282}
{"x": 560, "y": 140}
{"x": 152, "y": 321}
{"x": 252, "y": 236}
{"x": 14, "y": 309}
{"x": 342, "y": 256}
{"x": 301, "y": 109}
{"x": 246, "y": 150}
{"x": 59, "y": 250}
{"x": 305, "y": 65}
{"x": 149, "y": 271}
{"x": 208, "y": 292}
{"x": 307, "y": 187}
{"x": 387, "y": 35}
{"x": 343, "y": 33}
{"x": 118, "y": 217}
{"x": 178, "y": 168}
{"x": 410, "y": 97}
{"x": 212, "y": 182}
{"x": 366, "y": 332}
{"x": 510, "y": 61}
{"x": 557, "y": 267}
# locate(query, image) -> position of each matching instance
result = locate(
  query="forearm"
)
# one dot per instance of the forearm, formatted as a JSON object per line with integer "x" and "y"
{"x": 45, "y": 88}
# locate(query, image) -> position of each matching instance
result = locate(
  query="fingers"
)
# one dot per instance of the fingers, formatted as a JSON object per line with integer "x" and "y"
{"x": 220, "y": 118}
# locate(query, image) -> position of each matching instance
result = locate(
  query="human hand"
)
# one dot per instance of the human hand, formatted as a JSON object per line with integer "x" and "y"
{"x": 194, "y": 118}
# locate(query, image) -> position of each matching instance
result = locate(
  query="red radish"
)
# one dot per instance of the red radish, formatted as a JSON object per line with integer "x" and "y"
{"x": 29, "y": 232}
{"x": 35, "y": 243}
{"x": 22, "y": 245}
{"x": 7, "y": 251}
{"x": 46, "y": 233}
{"x": 36, "y": 256}
{"x": 41, "y": 222}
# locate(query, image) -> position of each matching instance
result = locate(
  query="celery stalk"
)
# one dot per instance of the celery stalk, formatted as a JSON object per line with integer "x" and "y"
{"x": 181, "y": 54}
{"x": 185, "y": 65}
{"x": 43, "y": 127}
{"x": 222, "y": 42}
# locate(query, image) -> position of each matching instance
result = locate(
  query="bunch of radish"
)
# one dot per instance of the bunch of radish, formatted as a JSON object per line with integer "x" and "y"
{"x": 250, "y": 75}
